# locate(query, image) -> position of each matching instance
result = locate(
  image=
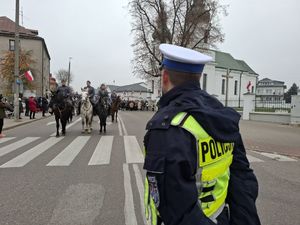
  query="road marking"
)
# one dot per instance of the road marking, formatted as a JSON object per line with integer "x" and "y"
{"x": 133, "y": 151}
{"x": 14, "y": 146}
{"x": 277, "y": 157}
{"x": 140, "y": 186}
{"x": 2, "y": 140}
{"x": 130, "y": 217}
{"x": 253, "y": 159}
{"x": 66, "y": 157}
{"x": 101, "y": 155}
{"x": 29, "y": 155}
{"x": 80, "y": 204}
{"x": 68, "y": 126}
{"x": 120, "y": 128}
{"x": 51, "y": 123}
{"x": 123, "y": 125}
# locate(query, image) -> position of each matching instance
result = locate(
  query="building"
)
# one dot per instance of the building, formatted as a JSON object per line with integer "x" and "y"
{"x": 137, "y": 91}
{"x": 29, "y": 40}
{"x": 270, "y": 90}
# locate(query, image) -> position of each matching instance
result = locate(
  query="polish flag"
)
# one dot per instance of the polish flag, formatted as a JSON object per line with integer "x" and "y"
{"x": 249, "y": 85}
{"x": 28, "y": 75}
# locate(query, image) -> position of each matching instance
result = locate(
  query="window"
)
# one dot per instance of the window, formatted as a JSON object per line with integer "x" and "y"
{"x": 252, "y": 91}
{"x": 11, "y": 45}
{"x": 223, "y": 86}
{"x": 235, "y": 87}
{"x": 204, "y": 82}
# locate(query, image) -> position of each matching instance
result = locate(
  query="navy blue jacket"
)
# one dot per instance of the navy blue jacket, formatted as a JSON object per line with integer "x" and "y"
{"x": 171, "y": 160}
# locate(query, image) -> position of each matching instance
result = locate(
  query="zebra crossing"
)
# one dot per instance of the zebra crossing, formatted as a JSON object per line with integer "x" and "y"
{"x": 101, "y": 153}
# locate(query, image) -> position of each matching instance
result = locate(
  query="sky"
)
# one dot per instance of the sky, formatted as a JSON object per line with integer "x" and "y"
{"x": 97, "y": 35}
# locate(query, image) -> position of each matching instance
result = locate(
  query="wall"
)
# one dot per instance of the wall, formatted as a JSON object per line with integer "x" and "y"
{"x": 284, "y": 118}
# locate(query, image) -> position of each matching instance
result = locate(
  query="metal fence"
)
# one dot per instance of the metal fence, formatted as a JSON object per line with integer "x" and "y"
{"x": 272, "y": 106}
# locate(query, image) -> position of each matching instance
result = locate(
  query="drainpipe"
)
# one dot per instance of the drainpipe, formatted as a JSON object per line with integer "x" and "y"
{"x": 240, "y": 88}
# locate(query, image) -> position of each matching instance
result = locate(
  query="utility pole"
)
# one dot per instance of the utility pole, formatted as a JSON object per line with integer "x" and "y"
{"x": 227, "y": 82}
{"x": 69, "y": 72}
{"x": 17, "y": 58}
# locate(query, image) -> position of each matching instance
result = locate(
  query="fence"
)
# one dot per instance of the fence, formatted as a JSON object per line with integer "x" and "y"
{"x": 272, "y": 106}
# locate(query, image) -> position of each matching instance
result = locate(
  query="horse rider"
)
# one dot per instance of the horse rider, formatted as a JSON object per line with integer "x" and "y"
{"x": 103, "y": 93}
{"x": 91, "y": 93}
{"x": 65, "y": 91}
{"x": 113, "y": 96}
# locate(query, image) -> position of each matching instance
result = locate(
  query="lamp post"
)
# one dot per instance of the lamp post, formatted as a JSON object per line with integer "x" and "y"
{"x": 69, "y": 72}
{"x": 17, "y": 53}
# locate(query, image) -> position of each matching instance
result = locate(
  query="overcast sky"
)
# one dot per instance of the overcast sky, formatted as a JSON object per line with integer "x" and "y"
{"x": 96, "y": 34}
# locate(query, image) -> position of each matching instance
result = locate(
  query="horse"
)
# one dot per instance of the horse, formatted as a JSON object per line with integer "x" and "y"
{"x": 62, "y": 112}
{"x": 114, "y": 108}
{"x": 102, "y": 109}
{"x": 86, "y": 111}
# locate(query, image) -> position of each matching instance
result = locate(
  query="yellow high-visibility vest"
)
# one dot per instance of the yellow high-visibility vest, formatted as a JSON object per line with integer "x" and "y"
{"x": 213, "y": 160}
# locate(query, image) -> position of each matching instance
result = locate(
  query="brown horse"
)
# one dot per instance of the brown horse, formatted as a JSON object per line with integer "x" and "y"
{"x": 114, "y": 108}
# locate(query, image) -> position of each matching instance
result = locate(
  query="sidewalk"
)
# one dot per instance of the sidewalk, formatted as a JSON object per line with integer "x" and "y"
{"x": 11, "y": 123}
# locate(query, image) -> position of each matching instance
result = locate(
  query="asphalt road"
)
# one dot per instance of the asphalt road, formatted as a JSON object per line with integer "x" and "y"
{"x": 98, "y": 179}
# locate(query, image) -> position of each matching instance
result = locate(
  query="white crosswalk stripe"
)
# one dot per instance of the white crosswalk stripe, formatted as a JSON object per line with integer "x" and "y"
{"x": 133, "y": 151}
{"x": 29, "y": 155}
{"x": 66, "y": 157}
{"x": 101, "y": 155}
{"x": 14, "y": 146}
{"x": 2, "y": 140}
{"x": 277, "y": 157}
{"x": 253, "y": 159}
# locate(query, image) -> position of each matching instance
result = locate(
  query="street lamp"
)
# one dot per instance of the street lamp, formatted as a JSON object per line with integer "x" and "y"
{"x": 69, "y": 72}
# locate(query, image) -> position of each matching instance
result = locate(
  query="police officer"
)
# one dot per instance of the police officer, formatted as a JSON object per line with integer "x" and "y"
{"x": 197, "y": 170}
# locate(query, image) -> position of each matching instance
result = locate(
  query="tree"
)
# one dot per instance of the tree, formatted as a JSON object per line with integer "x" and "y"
{"x": 188, "y": 23}
{"x": 63, "y": 74}
{"x": 292, "y": 91}
{"x": 7, "y": 66}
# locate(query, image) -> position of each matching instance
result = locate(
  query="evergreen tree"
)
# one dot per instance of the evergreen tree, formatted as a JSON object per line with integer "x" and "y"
{"x": 292, "y": 91}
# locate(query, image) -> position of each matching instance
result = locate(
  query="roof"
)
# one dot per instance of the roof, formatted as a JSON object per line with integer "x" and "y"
{"x": 226, "y": 61}
{"x": 113, "y": 87}
{"x": 266, "y": 82}
{"x": 137, "y": 87}
{"x": 7, "y": 28}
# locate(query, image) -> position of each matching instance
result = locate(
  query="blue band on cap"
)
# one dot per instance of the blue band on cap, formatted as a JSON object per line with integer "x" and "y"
{"x": 182, "y": 67}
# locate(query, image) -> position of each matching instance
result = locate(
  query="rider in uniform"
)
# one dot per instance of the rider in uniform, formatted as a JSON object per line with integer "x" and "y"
{"x": 196, "y": 167}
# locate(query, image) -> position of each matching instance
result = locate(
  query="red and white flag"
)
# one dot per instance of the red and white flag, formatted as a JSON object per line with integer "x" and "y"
{"x": 249, "y": 86}
{"x": 28, "y": 75}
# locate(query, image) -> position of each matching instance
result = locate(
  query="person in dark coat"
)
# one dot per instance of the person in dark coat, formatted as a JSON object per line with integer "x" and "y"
{"x": 3, "y": 107}
{"x": 32, "y": 107}
{"x": 44, "y": 106}
{"x": 196, "y": 167}
{"x": 26, "y": 107}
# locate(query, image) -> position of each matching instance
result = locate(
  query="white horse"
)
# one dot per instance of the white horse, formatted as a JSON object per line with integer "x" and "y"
{"x": 86, "y": 110}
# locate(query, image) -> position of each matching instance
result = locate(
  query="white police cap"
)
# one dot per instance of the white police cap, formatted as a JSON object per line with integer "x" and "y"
{"x": 183, "y": 59}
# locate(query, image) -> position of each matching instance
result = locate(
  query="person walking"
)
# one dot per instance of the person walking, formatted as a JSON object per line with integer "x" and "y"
{"x": 32, "y": 107}
{"x": 3, "y": 106}
{"x": 200, "y": 174}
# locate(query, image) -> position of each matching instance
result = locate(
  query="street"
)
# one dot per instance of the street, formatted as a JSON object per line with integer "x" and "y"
{"x": 94, "y": 179}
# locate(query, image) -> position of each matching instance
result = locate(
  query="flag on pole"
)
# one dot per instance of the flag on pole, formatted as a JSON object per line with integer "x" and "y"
{"x": 28, "y": 75}
{"x": 248, "y": 86}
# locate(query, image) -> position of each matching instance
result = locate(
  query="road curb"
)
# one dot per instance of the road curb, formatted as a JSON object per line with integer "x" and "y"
{"x": 18, "y": 124}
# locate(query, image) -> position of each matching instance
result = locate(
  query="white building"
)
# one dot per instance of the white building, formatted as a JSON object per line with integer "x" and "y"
{"x": 270, "y": 90}
{"x": 137, "y": 91}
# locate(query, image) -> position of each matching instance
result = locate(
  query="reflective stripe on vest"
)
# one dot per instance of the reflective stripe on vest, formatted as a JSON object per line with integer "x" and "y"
{"x": 214, "y": 159}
